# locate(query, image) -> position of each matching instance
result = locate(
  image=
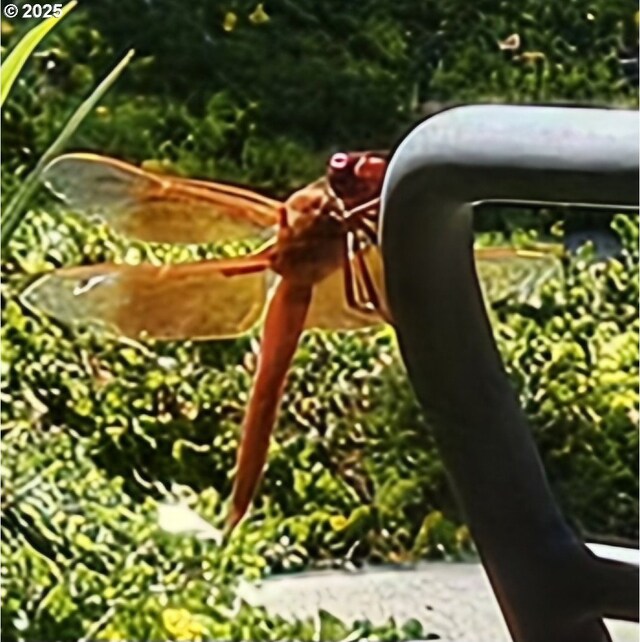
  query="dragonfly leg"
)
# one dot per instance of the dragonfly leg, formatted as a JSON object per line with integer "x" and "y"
{"x": 349, "y": 277}
{"x": 367, "y": 210}
{"x": 366, "y": 228}
{"x": 363, "y": 219}
{"x": 355, "y": 251}
{"x": 370, "y": 301}
{"x": 371, "y": 214}
{"x": 369, "y": 285}
{"x": 360, "y": 290}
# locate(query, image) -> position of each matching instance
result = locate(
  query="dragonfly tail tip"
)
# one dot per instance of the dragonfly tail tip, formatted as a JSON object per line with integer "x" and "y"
{"x": 233, "y": 519}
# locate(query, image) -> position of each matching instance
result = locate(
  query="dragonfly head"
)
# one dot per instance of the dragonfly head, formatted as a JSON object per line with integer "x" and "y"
{"x": 356, "y": 177}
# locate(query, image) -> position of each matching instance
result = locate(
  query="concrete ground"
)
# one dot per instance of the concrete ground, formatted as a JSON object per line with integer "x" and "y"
{"x": 451, "y": 600}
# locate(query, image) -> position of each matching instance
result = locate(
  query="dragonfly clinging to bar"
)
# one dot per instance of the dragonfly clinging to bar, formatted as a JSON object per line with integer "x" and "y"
{"x": 320, "y": 267}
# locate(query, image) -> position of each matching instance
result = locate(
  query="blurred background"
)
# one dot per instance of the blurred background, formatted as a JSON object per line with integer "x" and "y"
{"x": 118, "y": 455}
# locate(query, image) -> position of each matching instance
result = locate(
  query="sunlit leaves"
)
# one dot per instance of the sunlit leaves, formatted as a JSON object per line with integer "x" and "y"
{"x": 230, "y": 21}
{"x": 258, "y": 16}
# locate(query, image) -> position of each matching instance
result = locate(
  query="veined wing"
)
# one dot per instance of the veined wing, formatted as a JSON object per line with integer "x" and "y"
{"x": 329, "y": 308}
{"x": 507, "y": 272}
{"x": 158, "y": 208}
{"x": 504, "y": 272}
{"x": 208, "y": 299}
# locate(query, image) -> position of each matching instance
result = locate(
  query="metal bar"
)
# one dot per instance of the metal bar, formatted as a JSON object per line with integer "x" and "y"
{"x": 549, "y": 586}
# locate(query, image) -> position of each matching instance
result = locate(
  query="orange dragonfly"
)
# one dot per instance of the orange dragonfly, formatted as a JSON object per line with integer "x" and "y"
{"x": 322, "y": 251}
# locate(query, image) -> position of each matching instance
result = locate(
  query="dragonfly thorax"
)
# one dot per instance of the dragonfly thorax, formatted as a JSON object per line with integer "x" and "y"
{"x": 311, "y": 247}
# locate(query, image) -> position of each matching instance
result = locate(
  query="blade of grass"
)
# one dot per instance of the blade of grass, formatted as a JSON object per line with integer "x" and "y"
{"x": 12, "y": 213}
{"x": 11, "y": 67}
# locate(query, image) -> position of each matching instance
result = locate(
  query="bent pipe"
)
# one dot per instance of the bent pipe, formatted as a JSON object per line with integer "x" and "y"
{"x": 549, "y": 586}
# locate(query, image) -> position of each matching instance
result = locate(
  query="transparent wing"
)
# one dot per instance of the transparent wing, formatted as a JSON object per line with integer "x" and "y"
{"x": 158, "y": 208}
{"x": 329, "y": 308}
{"x": 208, "y": 299}
{"x": 506, "y": 272}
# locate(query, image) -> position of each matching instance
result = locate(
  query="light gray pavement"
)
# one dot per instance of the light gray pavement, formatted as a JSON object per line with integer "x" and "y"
{"x": 452, "y": 600}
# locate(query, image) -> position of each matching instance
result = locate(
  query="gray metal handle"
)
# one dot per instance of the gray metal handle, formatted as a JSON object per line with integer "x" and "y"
{"x": 549, "y": 586}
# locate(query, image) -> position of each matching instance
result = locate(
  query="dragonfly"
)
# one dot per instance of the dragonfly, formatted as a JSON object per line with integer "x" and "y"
{"x": 319, "y": 267}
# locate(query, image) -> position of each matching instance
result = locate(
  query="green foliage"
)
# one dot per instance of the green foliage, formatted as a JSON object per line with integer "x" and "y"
{"x": 311, "y": 78}
{"x": 99, "y": 432}
{"x": 93, "y": 422}
{"x": 575, "y": 362}
{"x": 89, "y": 562}
{"x": 568, "y": 52}
{"x": 20, "y": 53}
{"x": 11, "y": 214}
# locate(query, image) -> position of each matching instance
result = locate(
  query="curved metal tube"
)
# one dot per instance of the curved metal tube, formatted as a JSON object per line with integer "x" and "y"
{"x": 549, "y": 586}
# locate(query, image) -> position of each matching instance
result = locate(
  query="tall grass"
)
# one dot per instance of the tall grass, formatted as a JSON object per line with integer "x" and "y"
{"x": 11, "y": 215}
{"x": 16, "y": 60}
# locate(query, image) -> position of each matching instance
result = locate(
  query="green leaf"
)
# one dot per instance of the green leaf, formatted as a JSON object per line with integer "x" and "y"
{"x": 11, "y": 67}
{"x": 329, "y": 627}
{"x": 259, "y": 15}
{"x": 11, "y": 216}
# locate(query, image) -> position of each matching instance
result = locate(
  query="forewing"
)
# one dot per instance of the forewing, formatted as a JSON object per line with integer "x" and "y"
{"x": 158, "y": 208}
{"x": 329, "y": 308}
{"x": 208, "y": 299}
{"x": 511, "y": 273}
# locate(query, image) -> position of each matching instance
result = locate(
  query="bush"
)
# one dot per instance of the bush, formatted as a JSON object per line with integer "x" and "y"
{"x": 99, "y": 431}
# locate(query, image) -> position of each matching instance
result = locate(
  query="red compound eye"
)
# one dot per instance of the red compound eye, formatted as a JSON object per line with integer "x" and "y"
{"x": 370, "y": 168}
{"x": 339, "y": 161}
